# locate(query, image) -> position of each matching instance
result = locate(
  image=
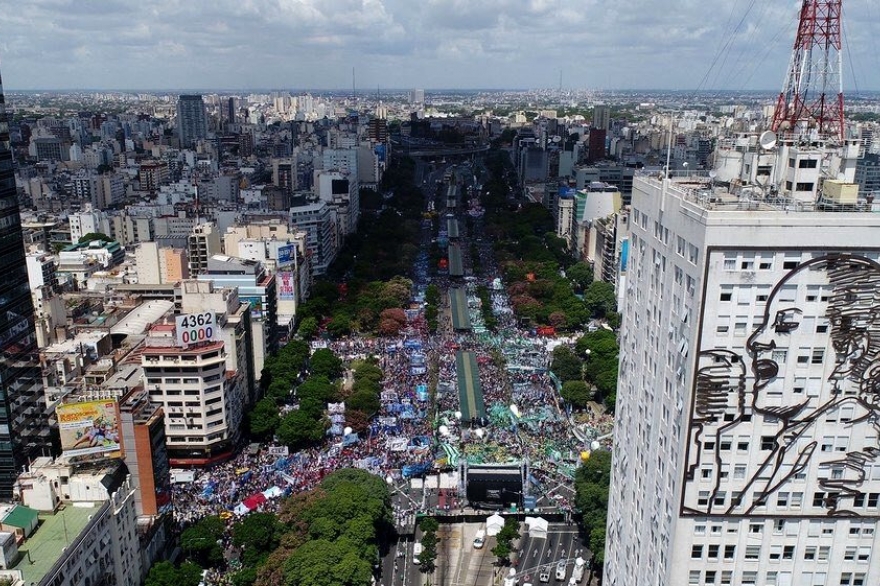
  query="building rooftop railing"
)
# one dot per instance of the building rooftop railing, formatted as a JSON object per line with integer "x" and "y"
{"x": 699, "y": 188}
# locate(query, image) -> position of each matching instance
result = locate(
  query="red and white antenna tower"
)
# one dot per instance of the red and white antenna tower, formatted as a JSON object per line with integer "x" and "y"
{"x": 812, "y": 95}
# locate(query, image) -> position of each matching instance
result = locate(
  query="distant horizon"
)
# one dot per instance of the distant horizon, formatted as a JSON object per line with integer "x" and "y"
{"x": 368, "y": 92}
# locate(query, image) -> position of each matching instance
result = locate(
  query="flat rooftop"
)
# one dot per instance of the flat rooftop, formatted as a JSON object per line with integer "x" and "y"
{"x": 700, "y": 190}
{"x": 140, "y": 318}
{"x": 55, "y": 532}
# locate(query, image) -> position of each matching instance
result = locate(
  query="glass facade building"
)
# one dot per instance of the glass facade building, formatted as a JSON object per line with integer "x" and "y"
{"x": 24, "y": 428}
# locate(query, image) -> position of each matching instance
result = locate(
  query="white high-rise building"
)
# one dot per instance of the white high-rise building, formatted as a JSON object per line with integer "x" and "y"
{"x": 746, "y": 441}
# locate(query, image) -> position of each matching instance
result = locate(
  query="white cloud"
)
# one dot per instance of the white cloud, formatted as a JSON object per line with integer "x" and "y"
{"x": 413, "y": 43}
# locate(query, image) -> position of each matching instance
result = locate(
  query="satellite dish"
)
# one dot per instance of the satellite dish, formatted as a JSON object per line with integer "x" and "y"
{"x": 595, "y": 445}
{"x": 347, "y": 431}
{"x": 556, "y": 138}
{"x": 480, "y": 433}
{"x": 444, "y": 431}
{"x": 458, "y": 414}
{"x": 767, "y": 140}
{"x": 713, "y": 174}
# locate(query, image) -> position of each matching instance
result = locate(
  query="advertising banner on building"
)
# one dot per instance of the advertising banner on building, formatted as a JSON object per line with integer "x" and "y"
{"x": 89, "y": 429}
{"x": 256, "y": 303}
{"x": 285, "y": 286}
{"x": 285, "y": 254}
{"x": 193, "y": 328}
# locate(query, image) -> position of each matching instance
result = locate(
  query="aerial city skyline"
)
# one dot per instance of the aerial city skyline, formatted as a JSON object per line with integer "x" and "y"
{"x": 376, "y": 333}
{"x": 451, "y": 44}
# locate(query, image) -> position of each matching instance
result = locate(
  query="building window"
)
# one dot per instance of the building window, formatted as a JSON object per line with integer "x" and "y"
{"x": 808, "y": 163}
{"x": 804, "y": 186}
{"x": 696, "y": 552}
{"x": 753, "y": 552}
{"x": 712, "y": 552}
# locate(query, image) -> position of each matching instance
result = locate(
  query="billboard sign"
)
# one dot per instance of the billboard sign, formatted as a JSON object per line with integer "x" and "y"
{"x": 193, "y": 328}
{"x": 256, "y": 303}
{"x": 89, "y": 429}
{"x": 285, "y": 286}
{"x": 285, "y": 254}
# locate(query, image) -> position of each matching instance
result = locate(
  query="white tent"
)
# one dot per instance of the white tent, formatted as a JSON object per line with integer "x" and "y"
{"x": 494, "y": 524}
{"x": 537, "y": 527}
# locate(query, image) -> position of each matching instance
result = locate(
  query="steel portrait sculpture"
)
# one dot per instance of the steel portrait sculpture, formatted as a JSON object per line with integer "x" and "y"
{"x": 804, "y": 392}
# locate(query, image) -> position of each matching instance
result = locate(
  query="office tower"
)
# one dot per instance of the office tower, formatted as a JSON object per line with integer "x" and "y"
{"x": 596, "y": 145}
{"x": 230, "y": 110}
{"x": 24, "y": 429}
{"x": 417, "y": 98}
{"x": 192, "y": 120}
{"x": 602, "y": 117}
{"x": 746, "y": 441}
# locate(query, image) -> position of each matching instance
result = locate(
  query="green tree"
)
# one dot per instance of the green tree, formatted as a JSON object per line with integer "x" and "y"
{"x": 580, "y": 274}
{"x": 600, "y": 299}
{"x": 94, "y": 236}
{"x": 592, "y": 481}
{"x": 244, "y": 577}
{"x": 429, "y": 525}
{"x": 257, "y": 534}
{"x": 325, "y": 363}
{"x": 576, "y": 392}
{"x": 327, "y": 563}
{"x": 165, "y": 574}
{"x": 264, "y": 419}
{"x": 308, "y": 328}
{"x": 300, "y": 430}
{"x": 597, "y": 546}
{"x": 365, "y": 401}
{"x": 317, "y": 387}
{"x": 565, "y": 364}
{"x": 510, "y": 531}
{"x": 502, "y": 552}
{"x": 339, "y": 326}
{"x": 200, "y": 542}
{"x": 162, "y": 574}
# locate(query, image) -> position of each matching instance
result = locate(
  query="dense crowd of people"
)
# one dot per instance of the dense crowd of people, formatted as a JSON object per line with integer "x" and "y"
{"x": 419, "y": 423}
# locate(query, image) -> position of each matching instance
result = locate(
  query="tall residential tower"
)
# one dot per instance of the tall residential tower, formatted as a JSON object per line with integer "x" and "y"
{"x": 192, "y": 120}
{"x": 746, "y": 443}
{"x": 24, "y": 429}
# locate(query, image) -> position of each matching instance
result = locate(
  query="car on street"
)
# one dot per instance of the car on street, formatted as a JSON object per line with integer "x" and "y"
{"x": 544, "y": 576}
{"x": 560, "y": 570}
{"x": 417, "y": 551}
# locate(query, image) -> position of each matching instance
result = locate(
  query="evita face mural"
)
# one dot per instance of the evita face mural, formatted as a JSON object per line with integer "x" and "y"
{"x": 785, "y": 417}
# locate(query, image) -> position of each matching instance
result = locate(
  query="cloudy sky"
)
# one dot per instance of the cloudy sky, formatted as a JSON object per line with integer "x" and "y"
{"x": 299, "y": 44}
